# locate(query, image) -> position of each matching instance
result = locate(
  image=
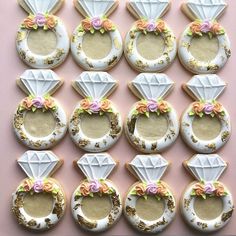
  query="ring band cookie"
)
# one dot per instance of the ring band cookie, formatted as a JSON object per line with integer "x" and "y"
{"x": 206, "y": 205}
{"x": 39, "y": 201}
{"x": 204, "y": 46}
{"x": 42, "y": 39}
{"x": 205, "y": 125}
{"x": 150, "y": 45}
{"x": 96, "y": 203}
{"x": 96, "y": 42}
{"x": 39, "y": 121}
{"x": 95, "y": 124}
{"x": 150, "y": 205}
{"x": 152, "y": 124}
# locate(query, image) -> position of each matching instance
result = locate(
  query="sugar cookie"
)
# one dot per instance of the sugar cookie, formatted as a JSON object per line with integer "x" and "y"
{"x": 205, "y": 125}
{"x": 204, "y": 46}
{"x": 206, "y": 205}
{"x": 97, "y": 191}
{"x": 39, "y": 121}
{"x": 149, "y": 205}
{"x": 150, "y": 45}
{"x": 42, "y": 39}
{"x": 39, "y": 201}
{"x": 152, "y": 124}
{"x": 96, "y": 43}
{"x": 95, "y": 124}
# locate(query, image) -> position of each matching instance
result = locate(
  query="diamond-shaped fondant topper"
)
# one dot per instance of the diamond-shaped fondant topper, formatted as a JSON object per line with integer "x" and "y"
{"x": 149, "y": 168}
{"x": 206, "y": 167}
{"x": 96, "y": 166}
{"x": 149, "y": 9}
{"x": 96, "y": 7}
{"x": 41, "y": 6}
{"x": 38, "y": 164}
{"x": 207, "y": 9}
{"x": 206, "y": 87}
{"x": 96, "y": 85}
{"x": 40, "y": 82}
{"x": 152, "y": 86}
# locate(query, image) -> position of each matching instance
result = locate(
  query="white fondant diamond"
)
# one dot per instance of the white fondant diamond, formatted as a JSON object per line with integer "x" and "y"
{"x": 38, "y": 164}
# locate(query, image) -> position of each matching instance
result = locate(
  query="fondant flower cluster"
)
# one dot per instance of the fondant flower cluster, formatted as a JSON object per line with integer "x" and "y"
{"x": 147, "y": 106}
{"x": 208, "y": 108}
{"x": 101, "y": 24}
{"x": 45, "y": 21}
{"x": 33, "y": 103}
{"x": 208, "y": 189}
{"x": 38, "y": 186}
{"x": 199, "y": 28}
{"x": 147, "y": 26}
{"x": 158, "y": 190}
{"x": 89, "y": 188}
{"x": 95, "y": 106}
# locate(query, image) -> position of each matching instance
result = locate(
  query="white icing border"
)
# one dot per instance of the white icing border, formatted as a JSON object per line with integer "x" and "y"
{"x": 94, "y": 145}
{"x": 43, "y": 142}
{"x": 161, "y": 144}
{"x": 103, "y": 64}
{"x": 201, "y": 67}
{"x": 102, "y": 224}
{"x": 158, "y": 65}
{"x": 135, "y": 220}
{"x": 201, "y": 145}
{"x": 193, "y": 220}
{"x": 41, "y": 61}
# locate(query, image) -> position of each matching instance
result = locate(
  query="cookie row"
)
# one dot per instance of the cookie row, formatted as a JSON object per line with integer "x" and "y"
{"x": 43, "y": 42}
{"x": 149, "y": 205}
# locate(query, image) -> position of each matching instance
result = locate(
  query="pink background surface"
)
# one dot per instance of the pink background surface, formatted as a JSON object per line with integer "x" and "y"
{"x": 10, "y": 95}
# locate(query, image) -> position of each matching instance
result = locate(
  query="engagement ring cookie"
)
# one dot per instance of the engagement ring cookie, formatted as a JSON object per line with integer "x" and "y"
{"x": 96, "y": 203}
{"x": 39, "y": 121}
{"x": 150, "y": 45}
{"x": 152, "y": 124}
{"x": 42, "y": 39}
{"x": 206, "y": 205}
{"x": 39, "y": 201}
{"x": 150, "y": 205}
{"x": 205, "y": 125}
{"x": 204, "y": 46}
{"x": 95, "y": 124}
{"x": 96, "y": 43}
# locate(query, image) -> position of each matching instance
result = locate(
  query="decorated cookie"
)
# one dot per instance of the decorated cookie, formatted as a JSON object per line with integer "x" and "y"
{"x": 96, "y": 203}
{"x": 205, "y": 125}
{"x": 152, "y": 124}
{"x": 39, "y": 201}
{"x": 42, "y": 39}
{"x": 206, "y": 205}
{"x": 149, "y": 205}
{"x": 150, "y": 45}
{"x": 204, "y": 46}
{"x": 96, "y": 43}
{"x": 95, "y": 124}
{"x": 39, "y": 121}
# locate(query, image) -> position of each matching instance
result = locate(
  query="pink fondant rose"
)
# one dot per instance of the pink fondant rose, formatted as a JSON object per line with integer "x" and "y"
{"x": 96, "y": 23}
{"x": 151, "y": 26}
{"x": 152, "y": 106}
{"x": 40, "y": 20}
{"x": 151, "y": 189}
{"x": 95, "y": 186}
{"x": 209, "y": 188}
{"x": 208, "y": 108}
{"x": 38, "y": 186}
{"x": 38, "y": 102}
{"x": 206, "y": 26}
{"x": 95, "y": 106}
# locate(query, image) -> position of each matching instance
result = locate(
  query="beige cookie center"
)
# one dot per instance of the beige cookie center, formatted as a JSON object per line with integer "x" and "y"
{"x": 95, "y": 125}
{"x": 150, "y": 46}
{"x": 39, "y": 124}
{"x": 153, "y": 127}
{"x": 38, "y": 205}
{"x": 203, "y": 48}
{"x": 207, "y": 127}
{"x": 42, "y": 42}
{"x": 150, "y": 209}
{"x": 96, "y": 207}
{"x": 97, "y": 45}
{"x": 209, "y": 208}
